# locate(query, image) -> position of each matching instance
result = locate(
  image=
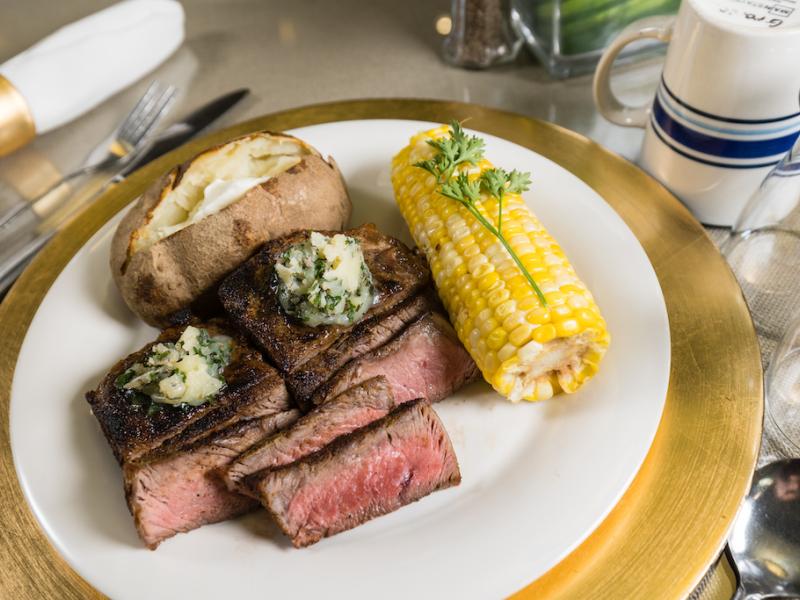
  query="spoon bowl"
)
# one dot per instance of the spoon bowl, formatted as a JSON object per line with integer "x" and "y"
{"x": 765, "y": 539}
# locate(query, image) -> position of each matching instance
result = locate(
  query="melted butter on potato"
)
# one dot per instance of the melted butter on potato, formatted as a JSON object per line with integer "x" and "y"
{"x": 216, "y": 179}
{"x": 217, "y": 195}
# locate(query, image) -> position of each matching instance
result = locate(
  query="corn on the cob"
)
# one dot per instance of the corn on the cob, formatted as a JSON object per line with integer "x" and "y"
{"x": 525, "y": 350}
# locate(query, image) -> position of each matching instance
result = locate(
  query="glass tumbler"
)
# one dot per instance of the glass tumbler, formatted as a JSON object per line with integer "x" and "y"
{"x": 782, "y": 384}
{"x": 568, "y": 36}
{"x": 764, "y": 248}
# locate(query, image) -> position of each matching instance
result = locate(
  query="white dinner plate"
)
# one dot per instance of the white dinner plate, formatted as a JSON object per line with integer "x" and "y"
{"x": 537, "y": 478}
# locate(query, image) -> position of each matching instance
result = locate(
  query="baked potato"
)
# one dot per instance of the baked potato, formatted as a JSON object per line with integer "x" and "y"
{"x": 205, "y": 217}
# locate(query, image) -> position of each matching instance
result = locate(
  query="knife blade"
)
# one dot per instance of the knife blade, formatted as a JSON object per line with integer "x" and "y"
{"x": 173, "y": 136}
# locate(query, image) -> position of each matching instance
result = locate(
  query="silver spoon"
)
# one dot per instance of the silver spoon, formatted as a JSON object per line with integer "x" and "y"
{"x": 765, "y": 539}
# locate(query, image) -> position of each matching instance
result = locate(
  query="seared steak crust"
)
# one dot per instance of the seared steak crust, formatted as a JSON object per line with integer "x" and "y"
{"x": 366, "y": 336}
{"x": 253, "y": 389}
{"x": 357, "y": 407}
{"x": 374, "y": 471}
{"x": 250, "y": 299}
{"x": 182, "y": 491}
{"x": 424, "y": 361}
{"x": 267, "y": 398}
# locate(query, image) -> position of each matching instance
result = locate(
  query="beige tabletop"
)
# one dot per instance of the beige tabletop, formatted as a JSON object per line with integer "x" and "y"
{"x": 291, "y": 53}
{"x": 296, "y": 52}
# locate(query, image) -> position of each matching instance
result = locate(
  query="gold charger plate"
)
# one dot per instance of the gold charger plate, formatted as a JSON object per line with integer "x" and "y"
{"x": 669, "y": 526}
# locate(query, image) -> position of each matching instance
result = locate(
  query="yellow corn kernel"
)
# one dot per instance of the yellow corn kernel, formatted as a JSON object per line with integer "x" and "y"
{"x": 521, "y": 334}
{"x": 476, "y": 304}
{"x": 491, "y": 362}
{"x": 577, "y": 301}
{"x": 506, "y": 352}
{"x": 567, "y": 327}
{"x": 539, "y": 316}
{"x": 513, "y": 320}
{"x": 505, "y": 309}
{"x": 544, "y": 333}
{"x": 561, "y": 311}
{"x": 585, "y": 317}
{"x": 465, "y": 242}
{"x": 497, "y": 297}
{"x": 527, "y": 303}
{"x": 497, "y": 338}
{"x": 487, "y": 279}
{"x": 488, "y": 326}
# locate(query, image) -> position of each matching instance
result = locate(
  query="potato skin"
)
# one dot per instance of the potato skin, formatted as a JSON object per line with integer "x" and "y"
{"x": 171, "y": 274}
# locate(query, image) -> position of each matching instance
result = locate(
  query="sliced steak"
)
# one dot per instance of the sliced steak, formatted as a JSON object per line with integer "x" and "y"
{"x": 364, "y": 337}
{"x": 250, "y": 299}
{"x": 253, "y": 389}
{"x": 425, "y": 361}
{"x": 350, "y": 410}
{"x": 372, "y": 472}
{"x": 178, "y": 492}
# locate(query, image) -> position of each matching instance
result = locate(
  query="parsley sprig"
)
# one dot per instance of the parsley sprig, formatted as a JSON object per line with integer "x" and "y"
{"x": 462, "y": 149}
{"x": 456, "y": 150}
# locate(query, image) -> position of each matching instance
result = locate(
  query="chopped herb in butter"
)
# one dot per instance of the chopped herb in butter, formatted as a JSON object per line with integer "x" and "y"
{"x": 188, "y": 371}
{"x": 324, "y": 280}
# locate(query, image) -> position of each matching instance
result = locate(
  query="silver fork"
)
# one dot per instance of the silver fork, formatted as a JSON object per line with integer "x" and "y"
{"x": 125, "y": 143}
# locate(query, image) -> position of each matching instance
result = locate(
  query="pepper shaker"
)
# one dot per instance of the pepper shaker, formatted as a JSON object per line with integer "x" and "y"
{"x": 481, "y": 34}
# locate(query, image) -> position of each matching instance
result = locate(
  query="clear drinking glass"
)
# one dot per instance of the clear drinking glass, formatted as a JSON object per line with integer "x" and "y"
{"x": 568, "y": 36}
{"x": 764, "y": 248}
{"x": 782, "y": 383}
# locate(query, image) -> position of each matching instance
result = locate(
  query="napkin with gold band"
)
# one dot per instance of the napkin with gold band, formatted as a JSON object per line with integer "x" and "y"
{"x": 82, "y": 64}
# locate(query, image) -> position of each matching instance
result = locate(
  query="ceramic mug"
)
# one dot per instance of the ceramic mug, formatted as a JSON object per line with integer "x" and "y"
{"x": 726, "y": 109}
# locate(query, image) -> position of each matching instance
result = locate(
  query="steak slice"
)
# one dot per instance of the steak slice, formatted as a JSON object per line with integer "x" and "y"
{"x": 425, "y": 361}
{"x": 178, "y": 492}
{"x": 250, "y": 298}
{"x": 364, "y": 337}
{"x": 253, "y": 389}
{"x": 350, "y": 410}
{"x": 372, "y": 472}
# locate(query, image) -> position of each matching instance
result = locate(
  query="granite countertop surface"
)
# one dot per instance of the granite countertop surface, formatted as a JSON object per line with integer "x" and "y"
{"x": 282, "y": 51}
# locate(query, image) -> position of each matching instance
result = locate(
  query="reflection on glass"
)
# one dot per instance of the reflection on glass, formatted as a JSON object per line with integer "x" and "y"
{"x": 783, "y": 387}
{"x": 764, "y": 247}
{"x": 568, "y": 36}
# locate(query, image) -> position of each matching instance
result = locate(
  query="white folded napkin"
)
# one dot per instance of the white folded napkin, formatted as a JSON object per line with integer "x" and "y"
{"x": 77, "y": 67}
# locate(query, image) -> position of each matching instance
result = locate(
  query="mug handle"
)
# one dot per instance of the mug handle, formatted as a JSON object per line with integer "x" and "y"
{"x": 608, "y": 104}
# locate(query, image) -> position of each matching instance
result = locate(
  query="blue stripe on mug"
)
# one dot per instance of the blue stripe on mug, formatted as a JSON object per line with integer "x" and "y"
{"x": 682, "y": 114}
{"x": 702, "y": 160}
{"x": 720, "y": 147}
{"x": 723, "y": 119}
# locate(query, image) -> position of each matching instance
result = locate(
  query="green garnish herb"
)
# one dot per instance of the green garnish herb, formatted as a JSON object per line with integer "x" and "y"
{"x": 124, "y": 378}
{"x": 456, "y": 150}
{"x": 462, "y": 149}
